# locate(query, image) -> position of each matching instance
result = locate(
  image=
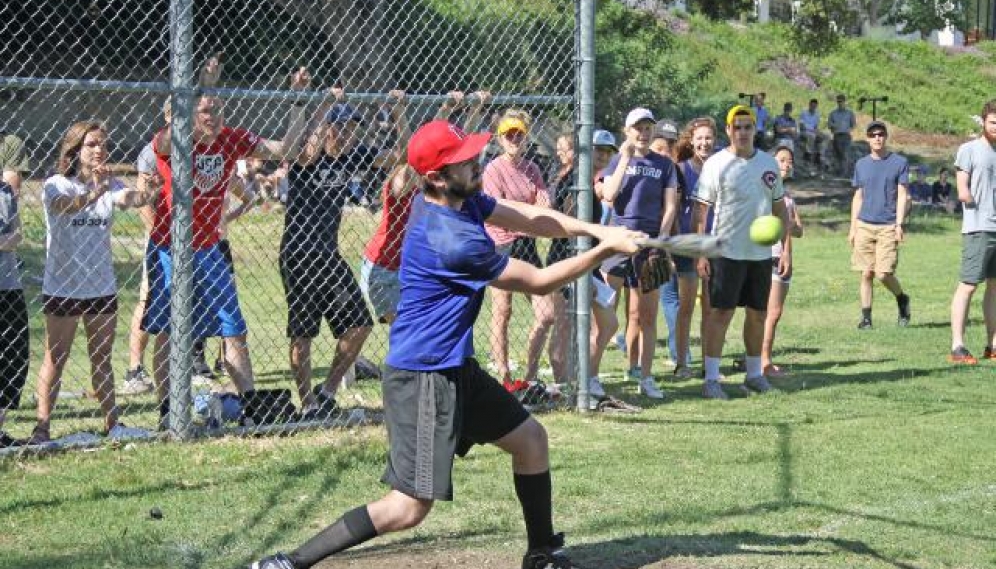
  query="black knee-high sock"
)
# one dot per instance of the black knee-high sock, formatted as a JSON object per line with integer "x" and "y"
{"x": 535, "y": 492}
{"x": 353, "y": 528}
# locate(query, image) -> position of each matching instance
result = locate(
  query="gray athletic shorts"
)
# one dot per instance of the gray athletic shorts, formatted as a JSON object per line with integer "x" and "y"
{"x": 433, "y": 416}
{"x": 978, "y": 257}
{"x": 381, "y": 287}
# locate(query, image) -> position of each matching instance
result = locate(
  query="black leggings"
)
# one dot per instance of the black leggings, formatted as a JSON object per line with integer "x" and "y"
{"x": 14, "y": 349}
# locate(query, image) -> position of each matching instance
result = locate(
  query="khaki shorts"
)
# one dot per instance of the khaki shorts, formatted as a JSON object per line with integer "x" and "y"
{"x": 875, "y": 248}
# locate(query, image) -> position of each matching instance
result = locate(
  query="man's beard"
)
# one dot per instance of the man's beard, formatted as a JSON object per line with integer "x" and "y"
{"x": 463, "y": 190}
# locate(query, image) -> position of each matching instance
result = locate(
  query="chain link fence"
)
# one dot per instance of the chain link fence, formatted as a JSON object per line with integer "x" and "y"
{"x": 297, "y": 113}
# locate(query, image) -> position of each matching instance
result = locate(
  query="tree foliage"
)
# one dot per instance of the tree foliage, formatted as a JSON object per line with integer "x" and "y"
{"x": 925, "y": 16}
{"x": 820, "y": 24}
{"x": 636, "y": 66}
{"x": 721, "y": 9}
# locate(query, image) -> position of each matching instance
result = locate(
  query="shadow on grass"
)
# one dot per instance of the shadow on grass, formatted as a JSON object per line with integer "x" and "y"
{"x": 633, "y": 553}
{"x": 785, "y": 494}
{"x": 102, "y": 494}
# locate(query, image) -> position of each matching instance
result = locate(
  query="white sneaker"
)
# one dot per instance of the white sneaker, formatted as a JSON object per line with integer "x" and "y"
{"x": 201, "y": 381}
{"x": 595, "y": 387}
{"x": 136, "y": 382}
{"x": 649, "y": 388}
{"x": 135, "y": 387}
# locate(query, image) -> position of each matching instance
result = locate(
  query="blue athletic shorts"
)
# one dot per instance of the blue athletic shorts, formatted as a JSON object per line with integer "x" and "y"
{"x": 216, "y": 305}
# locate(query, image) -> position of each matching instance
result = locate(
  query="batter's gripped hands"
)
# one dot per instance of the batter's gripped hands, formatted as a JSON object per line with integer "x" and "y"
{"x": 300, "y": 79}
{"x": 620, "y": 239}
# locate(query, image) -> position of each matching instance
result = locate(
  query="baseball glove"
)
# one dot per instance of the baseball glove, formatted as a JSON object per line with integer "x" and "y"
{"x": 656, "y": 271}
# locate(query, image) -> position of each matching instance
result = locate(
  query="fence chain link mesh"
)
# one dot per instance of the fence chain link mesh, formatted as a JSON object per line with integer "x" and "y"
{"x": 299, "y": 119}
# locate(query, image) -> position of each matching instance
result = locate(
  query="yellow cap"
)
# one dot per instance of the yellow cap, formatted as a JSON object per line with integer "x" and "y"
{"x": 738, "y": 110}
{"x": 509, "y": 124}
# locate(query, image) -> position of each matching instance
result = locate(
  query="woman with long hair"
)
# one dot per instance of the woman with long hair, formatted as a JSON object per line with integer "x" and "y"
{"x": 695, "y": 145}
{"x": 563, "y": 201}
{"x": 604, "y": 321}
{"x": 512, "y": 176}
{"x": 79, "y": 282}
{"x": 779, "y": 283}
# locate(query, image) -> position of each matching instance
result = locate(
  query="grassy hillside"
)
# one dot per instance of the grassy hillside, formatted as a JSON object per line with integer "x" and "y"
{"x": 930, "y": 89}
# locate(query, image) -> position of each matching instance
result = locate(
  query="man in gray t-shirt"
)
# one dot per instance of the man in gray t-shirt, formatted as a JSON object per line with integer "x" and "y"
{"x": 976, "y": 179}
{"x": 878, "y": 211}
{"x": 841, "y": 122}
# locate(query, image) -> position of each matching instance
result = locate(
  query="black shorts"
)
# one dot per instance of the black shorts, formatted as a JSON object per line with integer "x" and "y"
{"x": 433, "y": 416}
{"x": 523, "y": 249}
{"x": 67, "y": 307}
{"x": 736, "y": 283}
{"x": 14, "y": 337}
{"x": 317, "y": 286}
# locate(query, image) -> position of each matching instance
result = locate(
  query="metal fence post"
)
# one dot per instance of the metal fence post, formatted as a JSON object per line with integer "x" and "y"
{"x": 585, "y": 23}
{"x": 181, "y": 159}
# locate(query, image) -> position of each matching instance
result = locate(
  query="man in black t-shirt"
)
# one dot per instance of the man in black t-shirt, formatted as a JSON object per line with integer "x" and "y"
{"x": 318, "y": 283}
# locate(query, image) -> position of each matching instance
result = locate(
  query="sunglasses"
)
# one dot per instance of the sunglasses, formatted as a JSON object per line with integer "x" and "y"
{"x": 877, "y": 134}
{"x": 514, "y": 135}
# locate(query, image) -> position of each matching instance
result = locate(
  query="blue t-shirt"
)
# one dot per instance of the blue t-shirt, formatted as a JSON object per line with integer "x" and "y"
{"x": 687, "y": 202}
{"x": 920, "y": 191}
{"x": 879, "y": 180}
{"x": 639, "y": 205}
{"x": 447, "y": 260}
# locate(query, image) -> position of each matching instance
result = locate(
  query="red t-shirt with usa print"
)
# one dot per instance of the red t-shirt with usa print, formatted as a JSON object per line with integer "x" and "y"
{"x": 213, "y": 167}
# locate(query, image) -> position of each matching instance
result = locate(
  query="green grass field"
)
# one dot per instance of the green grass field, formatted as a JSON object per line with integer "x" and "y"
{"x": 875, "y": 454}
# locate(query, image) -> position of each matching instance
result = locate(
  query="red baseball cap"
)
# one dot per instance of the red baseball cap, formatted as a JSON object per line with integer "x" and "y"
{"x": 440, "y": 143}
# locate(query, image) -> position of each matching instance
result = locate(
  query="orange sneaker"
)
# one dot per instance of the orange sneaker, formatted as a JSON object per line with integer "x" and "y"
{"x": 989, "y": 353}
{"x": 961, "y": 355}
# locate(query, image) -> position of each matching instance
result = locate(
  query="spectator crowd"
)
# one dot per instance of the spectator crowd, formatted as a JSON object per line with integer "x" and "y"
{"x": 656, "y": 177}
